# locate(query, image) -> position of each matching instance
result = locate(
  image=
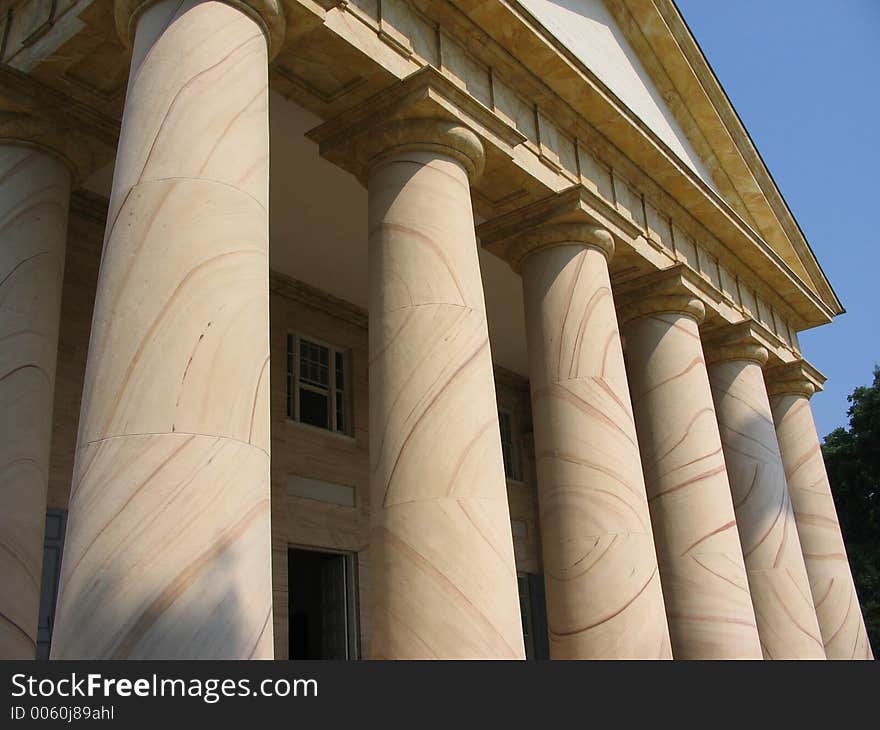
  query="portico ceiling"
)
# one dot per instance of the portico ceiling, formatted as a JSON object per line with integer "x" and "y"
{"x": 318, "y": 231}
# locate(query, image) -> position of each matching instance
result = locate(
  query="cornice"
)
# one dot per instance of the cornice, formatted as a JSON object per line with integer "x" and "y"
{"x": 42, "y": 116}
{"x": 564, "y": 76}
{"x": 308, "y": 295}
{"x": 89, "y": 206}
{"x": 707, "y": 90}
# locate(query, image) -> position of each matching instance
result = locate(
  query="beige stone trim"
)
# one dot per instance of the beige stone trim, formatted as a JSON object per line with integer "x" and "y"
{"x": 269, "y": 14}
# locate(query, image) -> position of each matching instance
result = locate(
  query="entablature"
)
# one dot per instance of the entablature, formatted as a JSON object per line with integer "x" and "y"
{"x": 562, "y": 126}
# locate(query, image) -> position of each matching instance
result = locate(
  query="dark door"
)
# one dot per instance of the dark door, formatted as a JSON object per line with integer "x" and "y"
{"x": 321, "y": 607}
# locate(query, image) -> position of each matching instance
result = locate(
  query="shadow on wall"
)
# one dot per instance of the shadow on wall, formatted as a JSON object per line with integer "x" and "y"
{"x": 193, "y": 617}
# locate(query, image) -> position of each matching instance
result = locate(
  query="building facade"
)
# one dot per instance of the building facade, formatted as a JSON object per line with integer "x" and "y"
{"x": 577, "y": 426}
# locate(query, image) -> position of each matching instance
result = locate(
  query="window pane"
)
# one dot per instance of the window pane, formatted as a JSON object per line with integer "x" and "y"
{"x": 340, "y": 412}
{"x": 313, "y": 408}
{"x": 340, "y": 371}
{"x": 314, "y": 363}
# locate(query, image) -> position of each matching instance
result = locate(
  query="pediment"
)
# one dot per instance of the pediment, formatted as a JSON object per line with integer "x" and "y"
{"x": 644, "y": 54}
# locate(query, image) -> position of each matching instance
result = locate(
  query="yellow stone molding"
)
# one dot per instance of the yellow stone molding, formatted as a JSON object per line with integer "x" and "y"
{"x": 574, "y": 128}
{"x": 568, "y": 82}
{"x": 268, "y": 13}
{"x": 657, "y": 31}
{"x": 794, "y": 378}
{"x": 424, "y": 109}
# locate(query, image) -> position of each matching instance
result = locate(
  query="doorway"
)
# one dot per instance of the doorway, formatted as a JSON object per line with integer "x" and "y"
{"x": 322, "y": 612}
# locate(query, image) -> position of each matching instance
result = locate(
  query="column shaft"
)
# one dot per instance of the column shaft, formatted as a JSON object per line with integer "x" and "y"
{"x": 603, "y": 589}
{"x": 834, "y": 593}
{"x": 34, "y": 195}
{"x": 777, "y": 577}
{"x": 444, "y": 580}
{"x": 701, "y": 564}
{"x": 168, "y": 547}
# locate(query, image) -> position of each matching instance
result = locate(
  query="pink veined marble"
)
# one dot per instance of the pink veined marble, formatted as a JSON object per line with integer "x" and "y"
{"x": 604, "y": 599}
{"x": 34, "y": 195}
{"x": 443, "y": 578}
{"x": 168, "y": 546}
{"x": 778, "y": 581}
{"x": 708, "y": 603}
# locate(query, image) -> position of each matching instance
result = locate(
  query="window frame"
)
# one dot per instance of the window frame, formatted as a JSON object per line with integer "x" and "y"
{"x": 295, "y": 384}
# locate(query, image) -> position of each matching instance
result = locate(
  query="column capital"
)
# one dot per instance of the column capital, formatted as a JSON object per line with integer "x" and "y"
{"x": 423, "y": 111}
{"x": 268, "y": 13}
{"x": 549, "y": 235}
{"x": 734, "y": 343}
{"x": 559, "y": 219}
{"x": 675, "y": 289}
{"x": 794, "y": 378}
{"x": 426, "y": 133}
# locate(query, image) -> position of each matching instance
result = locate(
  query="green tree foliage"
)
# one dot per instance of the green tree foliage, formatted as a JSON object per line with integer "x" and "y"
{"x": 852, "y": 457}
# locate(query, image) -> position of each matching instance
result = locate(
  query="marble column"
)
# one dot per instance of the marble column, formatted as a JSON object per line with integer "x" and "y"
{"x": 778, "y": 580}
{"x": 168, "y": 547}
{"x": 604, "y": 599}
{"x": 443, "y": 579}
{"x": 34, "y": 196}
{"x": 833, "y": 590}
{"x": 708, "y": 603}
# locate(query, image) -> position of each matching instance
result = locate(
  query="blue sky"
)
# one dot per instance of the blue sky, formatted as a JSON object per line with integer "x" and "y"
{"x": 804, "y": 77}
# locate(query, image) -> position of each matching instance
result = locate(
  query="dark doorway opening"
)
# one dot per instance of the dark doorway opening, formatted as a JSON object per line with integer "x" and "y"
{"x": 321, "y": 605}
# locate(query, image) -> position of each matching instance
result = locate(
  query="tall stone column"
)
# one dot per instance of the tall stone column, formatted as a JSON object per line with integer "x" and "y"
{"x": 604, "y": 599}
{"x": 778, "y": 580}
{"x": 833, "y": 590}
{"x": 168, "y": 546}
{"x": 34, "y": 196}
{"x": 708, "y": 603}
{"x": 443, "y": 577}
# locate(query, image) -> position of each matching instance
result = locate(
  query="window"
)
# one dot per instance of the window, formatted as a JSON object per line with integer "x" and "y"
{"x": 318, "y": 384}
{"x": 322, "y": 610}
{"x": 508, "y": 446}
{"x": 53, "y": 543}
